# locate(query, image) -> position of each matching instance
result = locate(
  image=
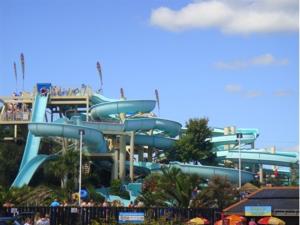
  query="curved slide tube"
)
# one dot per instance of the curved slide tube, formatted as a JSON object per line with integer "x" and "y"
{"x": 26, "y": 172}
{"x": 205, "y": 172}
{"x": 232, "y": 140}
{"x": 33, "y": 143}
{"x": 266, "y": 158}
{"x": 98, "y": 98}
{"x": 208, "y": 171}
{"x": 92, "y": 137}
{"x": 129, "y": 107}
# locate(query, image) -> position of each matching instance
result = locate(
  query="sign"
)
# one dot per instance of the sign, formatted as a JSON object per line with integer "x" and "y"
{"x": 131, "y": 217}
{"x": 258, "y": 211}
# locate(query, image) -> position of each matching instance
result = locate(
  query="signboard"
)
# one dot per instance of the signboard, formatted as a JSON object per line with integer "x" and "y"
{"x": 131, "y": 217}
{"x": 258, "y": 211}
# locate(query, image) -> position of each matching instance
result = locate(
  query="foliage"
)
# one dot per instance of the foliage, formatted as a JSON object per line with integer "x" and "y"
{"x": 29, "y": 196}
{"x": 66, "y": 168}
{"x": 219, "y": 193}
{"x": 116, "y": 188}
{"x": 172, "y": 187}
{"x": 93, "y": 194}
{"x": 10, "y": 159}
{"x": 195, "y": 144}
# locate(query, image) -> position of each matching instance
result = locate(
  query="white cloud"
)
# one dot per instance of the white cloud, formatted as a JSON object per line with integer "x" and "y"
{"x": 253, "y": 94}
{"x": 233, "y": 88}
{"x": 231, "y": 16}
{"x": 292, "y": 148}
{"x": 282, "y": 93}
{"x": 261, "y": 60}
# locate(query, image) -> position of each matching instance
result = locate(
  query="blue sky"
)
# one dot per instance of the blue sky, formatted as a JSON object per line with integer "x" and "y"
{"x": 235, "y": 62}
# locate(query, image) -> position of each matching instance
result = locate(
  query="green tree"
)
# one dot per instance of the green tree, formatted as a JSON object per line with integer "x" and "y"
{"x": 219, "y": 193}
{"x": 195, "y": 144}
{"x": 172, "y": 187}
{"x": 66, "y": 168}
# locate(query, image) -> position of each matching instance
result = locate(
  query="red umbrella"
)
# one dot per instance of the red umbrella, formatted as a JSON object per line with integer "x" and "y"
{"x": 271, "y": 220}
{"x": 237, "y": 218}
{"x": 231, "y": 222}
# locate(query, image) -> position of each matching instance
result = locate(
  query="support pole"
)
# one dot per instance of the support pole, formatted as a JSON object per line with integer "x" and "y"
{"x": 122, "y": 158}
{"x": 15, "y": 132}
{"x": 150, "y": 152}
{"x": 131, "y": 172}
{"x": 81, "y": 133}
{"x": 261, "y": 173}
{"x": 141, "y": 154}
{"x": 87, "y": 108}
{"x": 116, "y": 165}
{"x": 239, "y": 136}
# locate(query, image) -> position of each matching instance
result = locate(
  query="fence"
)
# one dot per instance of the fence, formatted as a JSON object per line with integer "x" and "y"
{"x": 73, "y": 215}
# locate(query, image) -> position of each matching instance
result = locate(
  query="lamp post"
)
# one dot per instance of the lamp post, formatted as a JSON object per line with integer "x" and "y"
{"x": 81, "y": 133}
{"x": 239, "y": 136}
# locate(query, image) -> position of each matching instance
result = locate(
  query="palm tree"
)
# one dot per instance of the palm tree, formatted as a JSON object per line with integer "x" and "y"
{"x": 219, "y": 193}
{"x": 172, "y": 187}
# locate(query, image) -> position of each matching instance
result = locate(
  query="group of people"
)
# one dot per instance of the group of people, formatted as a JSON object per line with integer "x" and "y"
{"x": 39, "y": 219}
{"x": 16, "y": 110}
{"x": 92, "y": 203}
{"x": 58, "y": 91}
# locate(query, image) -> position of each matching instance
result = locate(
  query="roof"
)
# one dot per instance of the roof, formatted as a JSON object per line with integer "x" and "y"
{"x": 283, "y": 200}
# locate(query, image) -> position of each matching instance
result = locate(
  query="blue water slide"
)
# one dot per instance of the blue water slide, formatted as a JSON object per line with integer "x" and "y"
{"x": 208, "y": 171}
{"x": 232, "y": 140}
{"x": 25, "y": 174}
{"x": 33, "y": 143}
{"x": 98, "y": 98}
{"x": 153, "y": 141}
{"x": 205, "y": 172}
{"x": 128, "y": 107}
{"x": 263, "y": 157}
{"x": 93, "y": 138}
{"x": 171, "y": 128}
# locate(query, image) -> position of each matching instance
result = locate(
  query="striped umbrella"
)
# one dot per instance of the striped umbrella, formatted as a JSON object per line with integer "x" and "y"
{"x": 198, "y": 221}
{"x": 271, "y": 220}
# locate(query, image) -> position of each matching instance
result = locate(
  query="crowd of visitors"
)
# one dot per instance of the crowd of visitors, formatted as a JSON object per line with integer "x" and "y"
{"x": 92, "y": 203}
{"x": 58, "y": 91}
{"x": 16, "y": 110}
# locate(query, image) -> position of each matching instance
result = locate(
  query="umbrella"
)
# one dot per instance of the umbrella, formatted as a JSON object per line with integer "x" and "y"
{"x": 271, "y": 220}
{"x": 198, "y": 221}
{"x": 231, "y": 222}
{"x": 236, "y": 218}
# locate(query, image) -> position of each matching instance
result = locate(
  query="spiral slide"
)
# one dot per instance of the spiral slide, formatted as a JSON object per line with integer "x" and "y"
{"x": 149, "y": 131}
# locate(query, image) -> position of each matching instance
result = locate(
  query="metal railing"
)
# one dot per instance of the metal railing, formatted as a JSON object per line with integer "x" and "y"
{"x": 109, "y": 215}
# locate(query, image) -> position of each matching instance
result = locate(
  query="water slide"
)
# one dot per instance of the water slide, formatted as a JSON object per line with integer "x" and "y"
{"x": 263, "y": 157}
{"x": 166, "y": 130}
{"x": 30, "y": 161}
{"x": 33, "y": 142}
{"x": 205, "y": 172}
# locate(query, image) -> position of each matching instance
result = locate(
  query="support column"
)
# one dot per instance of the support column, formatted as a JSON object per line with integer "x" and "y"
{"x": 141, "y": 154}
{"x": 261, "y": 174}
{"x": 87, "y": 109}
{"x": 122, "y": 158}
{"x": 115, "y": 165}
{"x": 150, "y": 152}
{"x": 15, "y": 132}
{"x": 131, "y": 172}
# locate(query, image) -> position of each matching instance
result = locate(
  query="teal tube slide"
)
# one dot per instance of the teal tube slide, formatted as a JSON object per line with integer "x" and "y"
{"x": 33, "y": 142}
{"x": 266, "y": 158}
{"x": 26, "y": 172}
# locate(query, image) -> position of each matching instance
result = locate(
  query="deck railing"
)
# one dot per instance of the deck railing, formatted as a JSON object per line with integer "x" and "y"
{"x": 109, "y": 215}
